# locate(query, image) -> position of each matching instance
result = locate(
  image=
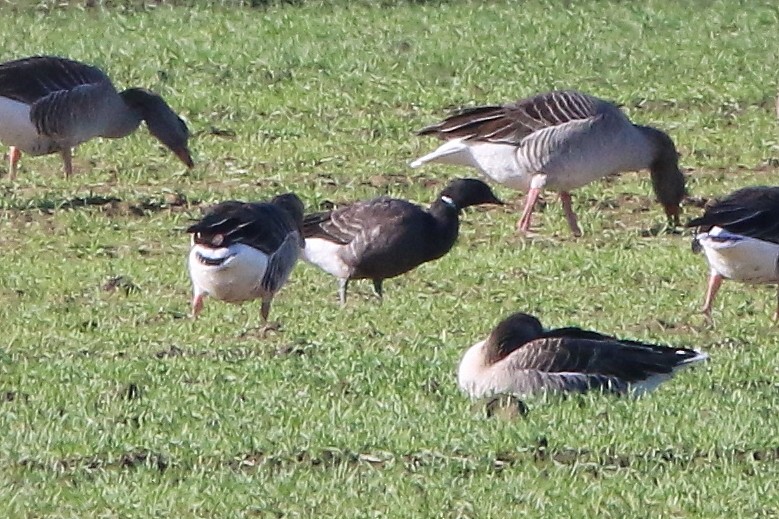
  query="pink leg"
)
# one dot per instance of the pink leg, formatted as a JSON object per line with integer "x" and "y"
{"x": 573, "y": 223}
{"x": 197, "y": 305}
{"x": 523, "y": 225}
{"x": 715, "y": 280}
{"x": 13, "y": 159}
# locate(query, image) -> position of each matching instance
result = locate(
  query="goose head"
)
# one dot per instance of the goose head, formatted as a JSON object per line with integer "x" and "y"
{"x": 667, "y": 178}
{"x": 161, "y": 120}
{"x": 510, "y": 334}
{"x": 465, "y": 192}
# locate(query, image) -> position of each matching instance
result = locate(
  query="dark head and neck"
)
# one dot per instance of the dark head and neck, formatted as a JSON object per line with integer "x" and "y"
{"x": 456, "y": 196}
{"x": 510, "y": 334}
{"x": 667, "y": 178}
{"x": 161, "y": 120}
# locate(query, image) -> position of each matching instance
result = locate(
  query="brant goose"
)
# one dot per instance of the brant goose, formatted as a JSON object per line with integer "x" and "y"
{"x": 385, "y": 237}
{"x": 244, "y": 251}
{"x": 520, "y": 358}
{"x": 559, "y": 141}
{"x": 740, "y": 236}
{"x": 50, "y": 104}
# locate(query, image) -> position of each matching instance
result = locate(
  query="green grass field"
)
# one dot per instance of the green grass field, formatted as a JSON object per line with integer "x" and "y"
{"x": 113, "y": 403}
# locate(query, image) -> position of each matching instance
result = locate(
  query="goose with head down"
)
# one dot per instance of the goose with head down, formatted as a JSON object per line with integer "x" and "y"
{"x": 558, "y": 141}
{"x": 50, "y": 104}
{"x": 739, "y": 234}
{"x": 386, "y": 237}
{"x": 521, "y": 358}
{"x": 244, "y": 251}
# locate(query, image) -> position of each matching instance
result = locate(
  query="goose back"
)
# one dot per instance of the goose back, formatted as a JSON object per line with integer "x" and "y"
{"x": 519, "y": 357}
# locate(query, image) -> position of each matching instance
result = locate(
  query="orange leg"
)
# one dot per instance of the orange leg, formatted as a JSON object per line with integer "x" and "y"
{"x": 197, "y": 305}
{"x": 13, "y": 159}
{"x": 715, "y": 280}
{"x": 573, "y": 223}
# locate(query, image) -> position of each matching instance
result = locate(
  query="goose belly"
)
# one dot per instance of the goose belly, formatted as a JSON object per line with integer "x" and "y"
{"x": 16, "y": 129}
{"x": 571, "y": 158}
{"x": 232, "y": 274}
{"x": 739, "y": 257}
{"x": 327, "y": 256}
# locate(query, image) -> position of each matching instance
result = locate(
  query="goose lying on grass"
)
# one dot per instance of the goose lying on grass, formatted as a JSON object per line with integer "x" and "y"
{"x": 558, "y": 141}
{"x": 386, "y": 237}
{"x": 521, "y": 358}
{"x": 244, "y": 251}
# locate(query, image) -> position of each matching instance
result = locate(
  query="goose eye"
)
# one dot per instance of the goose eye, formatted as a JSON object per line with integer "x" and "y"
{"x": 217, "y": 240}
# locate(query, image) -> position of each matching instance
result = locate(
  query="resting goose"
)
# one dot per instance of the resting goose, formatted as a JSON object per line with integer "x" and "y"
{"x": 244, "y": 251}
{"x": 559, "y": 141}
{"x": 739, "y": 235}
{"x": 520, "y": 358}
{"x": 50, "y": 104}
{"x": 385, "y": 237}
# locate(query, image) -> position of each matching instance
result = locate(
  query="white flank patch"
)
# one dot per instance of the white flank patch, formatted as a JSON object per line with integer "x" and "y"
{"x": 739, "y": 257}
{"x": 235, "y": 280}
{"x": 16, "y": 128}
{"x": 326, "y": 255}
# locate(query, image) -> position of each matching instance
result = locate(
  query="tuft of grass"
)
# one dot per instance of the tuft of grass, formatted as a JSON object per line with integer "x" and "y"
{"x": 115, "y": 403}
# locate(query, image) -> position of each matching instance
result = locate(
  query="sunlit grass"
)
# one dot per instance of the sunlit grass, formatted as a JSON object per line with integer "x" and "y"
{"x": 115, "y": 403}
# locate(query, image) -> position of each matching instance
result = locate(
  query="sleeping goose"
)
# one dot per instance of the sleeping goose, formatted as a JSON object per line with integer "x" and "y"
{"x": 739, "y": 235}
{"x": 385, "y": 237}
{"x": 50, "y": 104}
{"x": 559, "y": 141}
{"x": 244, "y": 251}
{"x": 520, "y": 358}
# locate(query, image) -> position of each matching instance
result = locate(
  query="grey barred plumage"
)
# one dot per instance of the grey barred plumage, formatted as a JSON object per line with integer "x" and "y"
{"x": 557, "y": 140}
{"x": 50, "y": 104}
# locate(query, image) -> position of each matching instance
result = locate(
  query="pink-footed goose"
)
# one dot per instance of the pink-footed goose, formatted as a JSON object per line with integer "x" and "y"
{"x": 245, "y": 251}
{"x": 50, "y": 104}
{"x": 386, "y": 237}
{"x": 739, "y": 235}
{"x": 559, "y": 141}
{"x": 520, "y": 358}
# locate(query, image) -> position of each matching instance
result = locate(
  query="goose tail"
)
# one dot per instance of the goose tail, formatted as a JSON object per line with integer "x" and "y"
{"x": 447, "y": 153}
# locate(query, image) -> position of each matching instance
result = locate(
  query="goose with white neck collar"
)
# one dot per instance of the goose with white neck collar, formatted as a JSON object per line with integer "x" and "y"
{"x": 386, "y": 237}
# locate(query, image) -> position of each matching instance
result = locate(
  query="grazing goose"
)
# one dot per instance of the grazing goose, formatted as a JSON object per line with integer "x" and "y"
{"x": 520, "y": 358}
{"x": 385, "y": 237}
{"x": 740, "y": 236}
{"x": 245, "y": 251}
{"x": 50, "y": 104}
{"x": 559, "y": 141}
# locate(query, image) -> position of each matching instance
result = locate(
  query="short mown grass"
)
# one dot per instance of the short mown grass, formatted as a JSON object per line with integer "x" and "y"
{"x": 115, "y": 403}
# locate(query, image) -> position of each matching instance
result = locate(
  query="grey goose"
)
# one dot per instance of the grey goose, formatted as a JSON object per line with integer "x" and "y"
{"x": 243, "y": 251}
{"x": 521, "y": 358}
{"x": 559, "y": 141}
{"x": 386, "y": 237}
{"x": 739, "y": 234}
{"x": 50, "y": 104}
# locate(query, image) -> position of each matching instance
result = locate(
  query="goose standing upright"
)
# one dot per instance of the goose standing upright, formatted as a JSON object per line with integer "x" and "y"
{"x": 560, "y": 141}
{"x": 50, "y": 104}
{"x": 520, "y": 358}
{"x": 739, "y": 235}
{"x": 244, "y": 251}
{"x": 386, "y": 237}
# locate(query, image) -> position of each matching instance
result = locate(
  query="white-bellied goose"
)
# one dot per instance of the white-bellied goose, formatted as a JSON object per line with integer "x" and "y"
{"x": 520, "y": 358}
{"x": 740, "y": 236}
{"x": 385, "y": 237}
{"x": 50, "y": 104}
{"x": 559, "y": 141}
{"x": 244, "y": 251}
